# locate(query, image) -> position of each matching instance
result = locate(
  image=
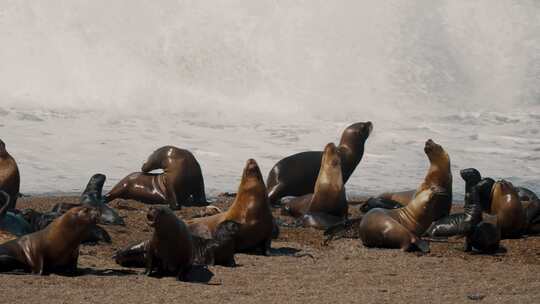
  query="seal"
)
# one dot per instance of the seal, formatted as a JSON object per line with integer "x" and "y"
{"x": 170, "y": 250}
{"x": 250, "y": 209}
{"x": 9, "y": 175}
{"x": 506, "y": 205}
{"x": 462, "y": 223}
{"x": 401, "y": 228}
{"x": 531, "y": 204}
{"x": 328, "y": 204}
{"x": 53, "y": 249}
{"x": 180, "y": 181}
{"x": 297, "y": 174}
{"x": 217, "y": 251}
{"x": 91, "y": 196}
{"x": 439, "y": 175}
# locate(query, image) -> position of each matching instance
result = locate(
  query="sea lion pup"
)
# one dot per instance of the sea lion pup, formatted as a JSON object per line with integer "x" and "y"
{"x": 439, "y": 175}
{"x": 170, "y": 250}
{"x": 531, "y": 206}
{"x": 462, "y": 223}
{"x": 181, "y": 180}
{"x": 53, "y": 249}
{"x": 328, "y": 204}
{"x": 9, "y": 175}
{"x": 506, "y": 205}
{"x": 91, "y": 196}
{"x": 250, "y": 209}
{"x": 402, "y": 228}
{"x": 217, "y": 251}
{"x": 297, "y": 174}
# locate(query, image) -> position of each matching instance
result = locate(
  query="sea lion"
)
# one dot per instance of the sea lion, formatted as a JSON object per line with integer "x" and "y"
{"x": 181, "y": 180}
{"x": 462, "y": 223}
{"x": 297, "y": 174}
{"x": 170, "y": 250}
{"x": 328, "y": 204}
{"x": 53, "y": 249}
{"x": 91, "y": 196}
{"x": 506, "y": 205}
{"x": 9, "y": 175}
{"x": 439, "y": 175}
{"x": 217, "y": 251}
{"x": 402, "y": 228}
{"x": 11, "y": 223}
{"x": 250, "y": 209}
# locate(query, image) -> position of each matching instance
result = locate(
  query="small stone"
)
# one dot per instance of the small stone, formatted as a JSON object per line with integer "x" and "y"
{"x": 475, "y": 296}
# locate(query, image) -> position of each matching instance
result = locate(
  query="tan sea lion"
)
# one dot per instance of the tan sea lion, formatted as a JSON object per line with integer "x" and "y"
{"x": 9, "y": 175}
{"x": 403, "y": 227}
{"x": 328, "y": 204}
{"x": 250, "y": 209}
{"x": 53, "y": 249}
{"x": 297, "y": 174}
{"x": 170, "y": 250}
{"x": 181, "y": 182}
{"x": 439, "y": 175}
{"x": 506, "y": 205}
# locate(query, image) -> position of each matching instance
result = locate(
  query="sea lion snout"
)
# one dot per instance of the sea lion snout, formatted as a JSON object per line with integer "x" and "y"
{"x": 152, "y": 216}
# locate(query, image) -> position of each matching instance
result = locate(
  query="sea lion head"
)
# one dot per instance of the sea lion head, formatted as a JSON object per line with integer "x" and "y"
{"x": 83, "y": 215}
{"x": 331, "y": 159}
{"x": 470, "y": 176}
{"x": 159, "y": 159}
{"x": 436, "y": 153}
{"x": 252, "y": 174}
{"x": 502, "y": 188}
{"x": 226, "y": 230}
{"x": 356, "y": 134}
{"x": 157, "y": 216}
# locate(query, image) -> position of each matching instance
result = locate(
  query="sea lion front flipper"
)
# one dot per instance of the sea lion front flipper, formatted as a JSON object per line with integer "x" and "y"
{"x": 320, "y": 221}
{"x": 346, "y": 228}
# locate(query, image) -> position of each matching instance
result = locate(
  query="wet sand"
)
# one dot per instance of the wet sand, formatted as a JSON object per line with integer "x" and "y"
{"x": 343, "y": 272}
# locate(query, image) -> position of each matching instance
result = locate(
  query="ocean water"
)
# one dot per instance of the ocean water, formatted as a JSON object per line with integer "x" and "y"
{"x": 89, "y": 87}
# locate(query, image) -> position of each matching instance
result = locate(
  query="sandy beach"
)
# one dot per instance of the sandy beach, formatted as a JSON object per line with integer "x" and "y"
{"x": 343, "y": 272}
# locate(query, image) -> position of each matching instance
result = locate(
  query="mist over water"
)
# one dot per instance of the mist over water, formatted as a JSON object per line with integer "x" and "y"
{"x": 96, "y": 86}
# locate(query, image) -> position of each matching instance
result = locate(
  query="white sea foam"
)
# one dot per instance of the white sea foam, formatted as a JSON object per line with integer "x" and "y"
{"x": 96, "y": 86}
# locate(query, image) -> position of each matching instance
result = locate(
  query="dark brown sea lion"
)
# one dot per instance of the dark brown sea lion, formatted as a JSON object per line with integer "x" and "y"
{"x": 9, "y": 175}
{"x": 403, "y": 227}
{"x": 91, "y": 196}
{"x": 506, "y": 205}
{"x": 297, "y": 174}
{"x": 250, "y": 209}
{"x": 216, "y": 251}
{"x": 328, "y": 204}
{"x": 479, "y": 235}
{"x": 180, "y": 183}
{"x": 439, "y": 175}
{"x": 170, "y": 250}
{"x": 53, "y": 249}
{"x": 462, "y": 223}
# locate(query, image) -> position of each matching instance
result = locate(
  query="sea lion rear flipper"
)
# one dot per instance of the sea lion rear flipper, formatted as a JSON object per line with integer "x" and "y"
{"x": 421, "y": 245}
{"x": 131, "y": 256}
{"x": 346, "y": 228}
{"x": 379, "y": 202}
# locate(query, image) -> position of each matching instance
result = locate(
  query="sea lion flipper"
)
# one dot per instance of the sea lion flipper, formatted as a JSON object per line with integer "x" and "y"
{"x": 379, "y": 202}
{"x": 5, "y": 206}
{"x": 421, "y": 245}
